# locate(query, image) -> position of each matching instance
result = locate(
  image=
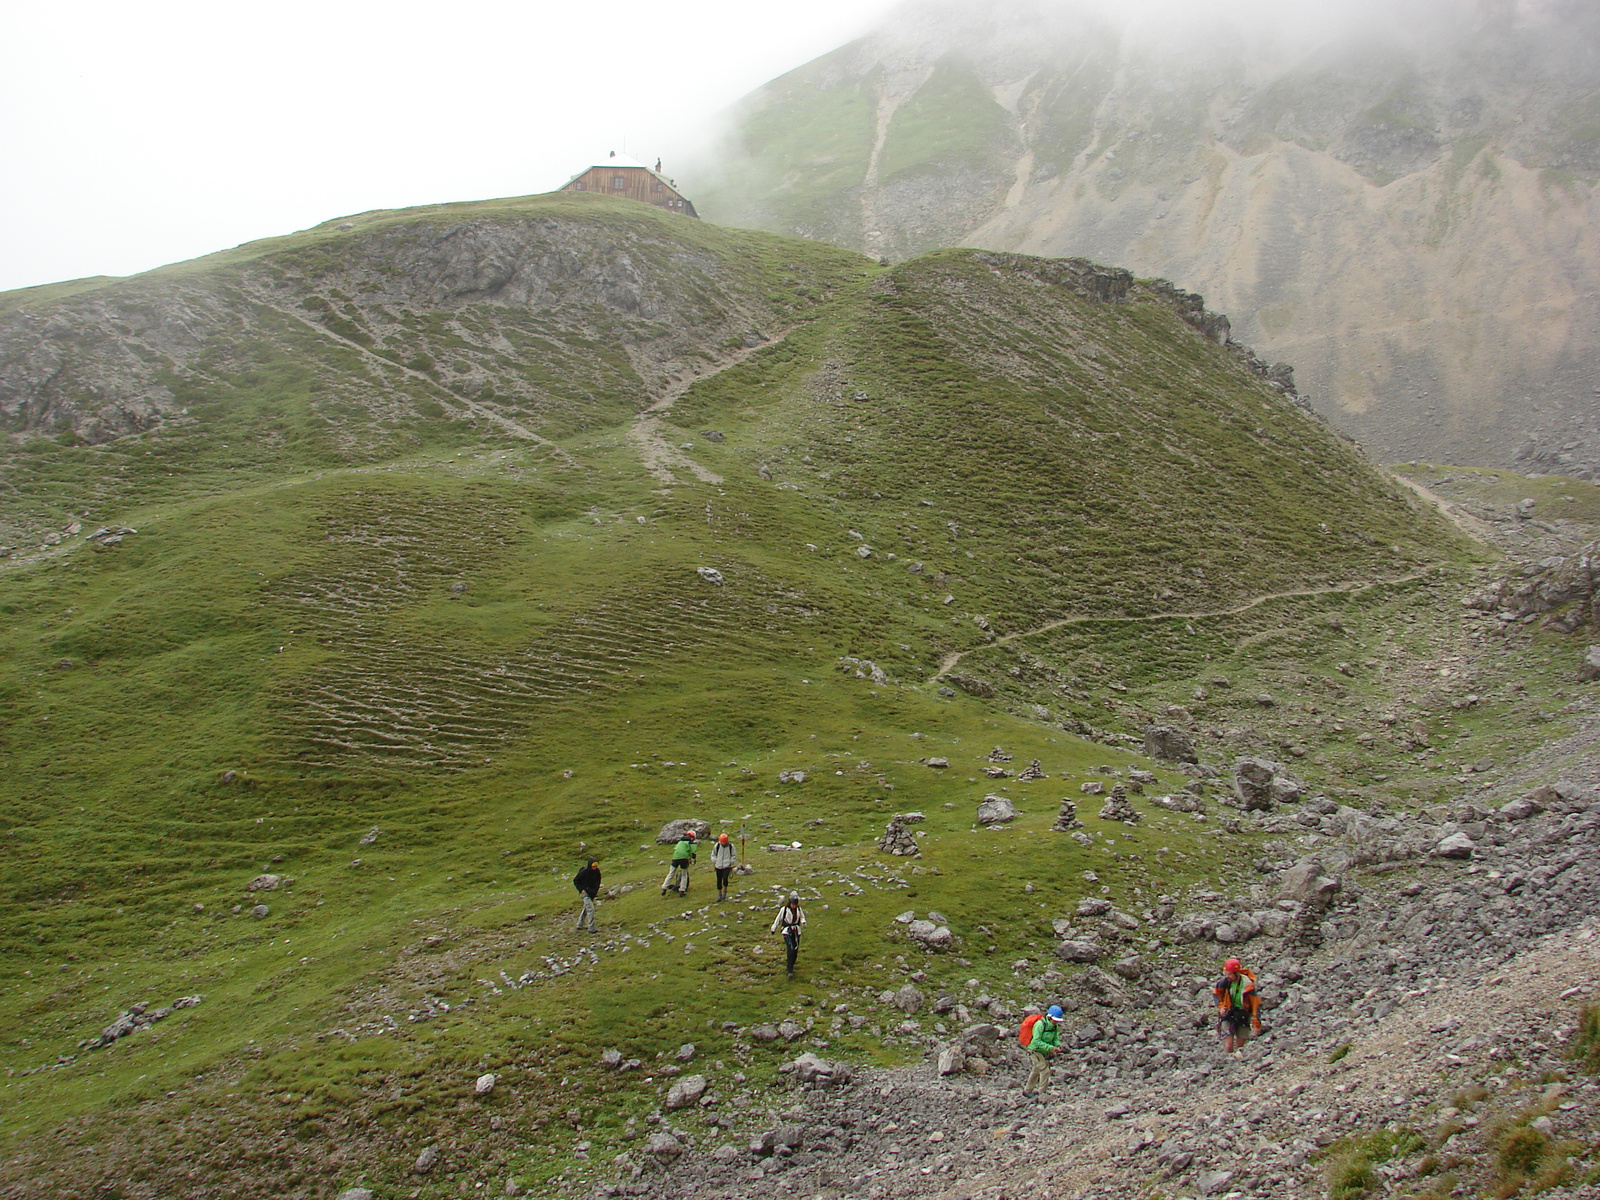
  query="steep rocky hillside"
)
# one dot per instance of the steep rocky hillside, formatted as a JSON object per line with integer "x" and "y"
{"x": 1407, "y": 216}
{"x": 314, "y": 698}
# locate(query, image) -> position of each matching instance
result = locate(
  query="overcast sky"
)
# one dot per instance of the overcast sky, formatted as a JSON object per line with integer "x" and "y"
{"x": 138, "y": 133}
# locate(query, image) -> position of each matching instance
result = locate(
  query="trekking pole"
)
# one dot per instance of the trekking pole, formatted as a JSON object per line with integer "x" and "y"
{"x": 741, "y": 845}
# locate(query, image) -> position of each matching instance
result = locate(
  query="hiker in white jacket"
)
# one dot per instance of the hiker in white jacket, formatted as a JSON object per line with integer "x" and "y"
{"x": 722, "y": 862}
{"x": 790, "y": 921}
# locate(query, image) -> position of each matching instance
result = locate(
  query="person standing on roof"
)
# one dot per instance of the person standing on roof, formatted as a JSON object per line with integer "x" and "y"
{"x": 722, "y": 858}
{"x": 1044, "y": 1040}
{"x": 1238, "y": 1005}
{"x": 678, "y": 872}
{"x": 790, "y": 921}
{"x": 587, "y": 881}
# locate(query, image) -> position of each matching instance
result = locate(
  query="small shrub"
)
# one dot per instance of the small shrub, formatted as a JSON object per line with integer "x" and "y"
{"x": 1340, "y": 1052}
{"x": 1586, "y": 1045}
{"x": 1351, "y": 1178}
{"x": 1522, "y": 1150}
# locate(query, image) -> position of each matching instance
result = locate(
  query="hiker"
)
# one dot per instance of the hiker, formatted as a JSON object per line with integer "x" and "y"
{"x": 1041, "y": 1034}
{"x": 678, "y": 872}
{"x": 587, "y": 881}
{"x": 790, "y": 921}
{"x": 722, "y": 861}
{"x": 1238, "y": 1005}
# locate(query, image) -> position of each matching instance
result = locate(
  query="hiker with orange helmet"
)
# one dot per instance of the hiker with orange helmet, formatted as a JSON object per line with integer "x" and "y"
{"x": 1238, "y": 1005}
{"x": 722, "y": 861}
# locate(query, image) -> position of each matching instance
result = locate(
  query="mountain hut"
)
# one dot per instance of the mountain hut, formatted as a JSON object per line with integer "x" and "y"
{"x": 629, "y": 178}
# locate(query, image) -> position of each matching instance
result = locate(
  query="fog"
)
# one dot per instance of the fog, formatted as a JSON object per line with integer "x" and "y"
{"x": 135, "y": 135}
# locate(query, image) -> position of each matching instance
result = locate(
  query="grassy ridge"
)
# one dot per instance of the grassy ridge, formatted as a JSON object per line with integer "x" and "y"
{"x": 495, "y": 659}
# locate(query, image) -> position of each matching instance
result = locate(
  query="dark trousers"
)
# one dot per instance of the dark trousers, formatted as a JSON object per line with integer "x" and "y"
{"x": 791, "y": 944}
{"x": 722, "y": 878}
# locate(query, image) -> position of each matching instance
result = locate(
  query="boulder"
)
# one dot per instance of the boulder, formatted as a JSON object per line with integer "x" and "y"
{"x": 1093, "y": 906}
{"x": 764, "y": 1033}
{"x": 485, "y": 1084}
{"x": 1093, "y": 788}
{"x": 791, "y": 1031}
{"x": 1252, "y": 783}
{"x": 1078, "y": 951}
{"x": 611, "y": 1058}
{"x": 685, "y": 1053}
{"x": 939, "y": 763}
{"x": 1589, "y": 668}
{"x": 672, "y": 832}
{"x": 1169, "y": 743}
{"x": 264, "y": 883}
{"x": 1130, "y": 968}
{"x": 794, "y": 776}
{"x": 426, "y": 1160}
{"x": 996, "y": 810}
{"x": 909, "y": 1000}
{"x": 686, "y": 1091}
{"x": 1184, "y": 802}
{"x": 664, "y": 1148}
{"x": 980, "y": 688}
{"x": 1456, "y": 845}
{"x": 808, "y": 1068}
{"x": 1305, "y": 883}
{"x": 710, "y": 575}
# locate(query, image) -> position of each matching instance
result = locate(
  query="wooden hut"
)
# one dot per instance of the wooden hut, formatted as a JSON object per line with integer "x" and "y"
{"x": 629, "y": 178}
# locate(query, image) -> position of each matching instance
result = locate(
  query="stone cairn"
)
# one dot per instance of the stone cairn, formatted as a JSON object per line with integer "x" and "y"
{"x": 1067, "y": 821}
{"x": 998, "y": 755}
{"x": 897, "y": 839}
{"x": 1032, "y": 771}
{"x": 1119, "y": 808}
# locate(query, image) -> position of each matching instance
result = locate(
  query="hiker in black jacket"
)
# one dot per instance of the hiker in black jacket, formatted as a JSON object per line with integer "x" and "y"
{"x": 587, "y": 881}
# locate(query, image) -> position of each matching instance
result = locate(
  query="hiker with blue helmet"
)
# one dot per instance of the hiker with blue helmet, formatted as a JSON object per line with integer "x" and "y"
{"x": 1042, "y": 1034}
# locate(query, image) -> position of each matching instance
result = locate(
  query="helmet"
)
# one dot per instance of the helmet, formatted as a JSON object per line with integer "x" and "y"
{"x": 794, "y": 897}
{"x": 690, "y": 834}
{"x": 1055, "y": 1013}
{"x": 1233, "y": 964}
{"x": 723, "y": 838}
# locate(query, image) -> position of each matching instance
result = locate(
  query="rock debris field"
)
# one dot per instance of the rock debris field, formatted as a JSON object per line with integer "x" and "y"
{"x": 1431, "y": 1002}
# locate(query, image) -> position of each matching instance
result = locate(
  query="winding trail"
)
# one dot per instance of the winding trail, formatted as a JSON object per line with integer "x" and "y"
{"x": 1469, "y": 525}
{"x": 1354, "y": 585}
{"x": 661, "y": 456}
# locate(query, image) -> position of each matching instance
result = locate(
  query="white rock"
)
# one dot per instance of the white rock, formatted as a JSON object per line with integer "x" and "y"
{"x": 485, "y": 1084}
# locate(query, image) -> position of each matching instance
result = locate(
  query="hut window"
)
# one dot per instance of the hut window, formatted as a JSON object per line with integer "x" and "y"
{"x": 655, "y": 185}
{"x": 619, "y": 182}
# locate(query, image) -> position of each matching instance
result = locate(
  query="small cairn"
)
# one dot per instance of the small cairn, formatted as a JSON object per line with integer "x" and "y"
{"x": 997, "y": 755}
{"x": 897, "y": 839}
{"x": 1032, "y": 771}
{"x": 1118, "y": 807}
{"x": 1067, "y": 821}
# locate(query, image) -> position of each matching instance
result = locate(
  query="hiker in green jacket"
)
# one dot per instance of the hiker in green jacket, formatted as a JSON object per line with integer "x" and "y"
{"x": 678, "y": 872}
{"x": 1044, "y": 1043}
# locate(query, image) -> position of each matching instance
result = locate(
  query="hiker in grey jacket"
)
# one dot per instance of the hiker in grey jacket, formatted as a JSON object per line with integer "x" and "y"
{"x": 722, "y": 861}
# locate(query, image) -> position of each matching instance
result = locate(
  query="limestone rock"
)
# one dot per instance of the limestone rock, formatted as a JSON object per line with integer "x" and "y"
{"x": 1252, "y": 783}
{"x": 794, "y": 776}
{"x": 485, "y": 1084}
{"x": 1306, "y": 883}
{"x": 611, "y": 1058}
{"x": 764, "y": 1033}
{"x": 1093, "y": 788}
{"x": 980, "y": 688}
{"x": 791, "y": 1031}
{"x": 909, "y": 1000}
{"x": 996, "y": 810}
{"x": 259, "y": 911}
{"x": 685, "y": 1053}
{"x": 710, "y": 575}
{"x": 686, "y": 1091}
{"x": 664, "y": 1148}
{"x": 1078, "y": 951}
{"x": 808, "y": 1068}
{"x": 1170, "y": 743}
{"x": 426, "y": 1160}
{"x": 1456, "y": 845}
{"x": 672, "y": 832}
{"x": 264, "y": 883}
{"x": 939, "y": 763}
{"x": 1589, "y": 668}
{"x": 356, "y": 1193}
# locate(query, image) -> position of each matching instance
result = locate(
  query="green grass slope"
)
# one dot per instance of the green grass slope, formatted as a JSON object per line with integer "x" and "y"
{"x": 420, "y": 665}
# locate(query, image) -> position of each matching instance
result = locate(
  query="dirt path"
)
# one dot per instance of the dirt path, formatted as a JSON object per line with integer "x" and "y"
{"x": 1468, "y": 524}
{"x": 950, "y": 660}
{"x": 660, "y": 456}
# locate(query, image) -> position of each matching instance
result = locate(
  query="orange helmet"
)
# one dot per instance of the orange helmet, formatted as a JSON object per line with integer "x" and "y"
{"x": 1233, "y": 964}
{"x": 723, "y": 838}
{"x": 690, "y": 834}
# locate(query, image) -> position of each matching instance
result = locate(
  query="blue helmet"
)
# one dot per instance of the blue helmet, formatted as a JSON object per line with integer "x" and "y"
{"x": 1055, "y": 1013}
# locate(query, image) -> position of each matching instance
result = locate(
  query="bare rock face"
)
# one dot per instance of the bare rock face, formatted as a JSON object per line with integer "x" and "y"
{"x": 1170, "y": 743}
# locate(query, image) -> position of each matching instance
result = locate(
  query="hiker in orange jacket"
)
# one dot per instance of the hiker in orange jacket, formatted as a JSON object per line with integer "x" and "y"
{"x": 1238, "y": 1005}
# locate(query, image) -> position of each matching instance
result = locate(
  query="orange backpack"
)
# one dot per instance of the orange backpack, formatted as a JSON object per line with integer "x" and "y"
{"x": 1025, "y": 1034}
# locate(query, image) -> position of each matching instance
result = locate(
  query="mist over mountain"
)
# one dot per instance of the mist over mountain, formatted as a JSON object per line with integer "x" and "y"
{"x": 1397, "y": 199}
